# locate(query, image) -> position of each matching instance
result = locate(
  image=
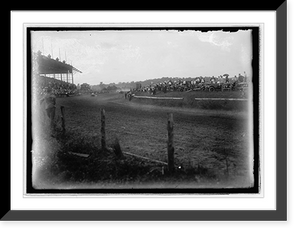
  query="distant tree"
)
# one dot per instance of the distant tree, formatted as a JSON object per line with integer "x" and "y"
{"x": 85, "y": 86}
{"x": 241, "y": 78}
{"x": 112, "y": 88}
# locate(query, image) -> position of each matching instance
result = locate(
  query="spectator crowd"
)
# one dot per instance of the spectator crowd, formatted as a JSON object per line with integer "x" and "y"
{"x": 41, "y": 84}
{"x": 198, "y": 83}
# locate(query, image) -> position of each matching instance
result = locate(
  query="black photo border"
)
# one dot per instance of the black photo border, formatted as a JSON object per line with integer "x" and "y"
{"x": 280, "y": 214}
{"x": 254, "y": 189}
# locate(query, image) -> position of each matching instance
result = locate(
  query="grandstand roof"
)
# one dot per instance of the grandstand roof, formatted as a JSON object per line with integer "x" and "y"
{"x": 48, "y": 65}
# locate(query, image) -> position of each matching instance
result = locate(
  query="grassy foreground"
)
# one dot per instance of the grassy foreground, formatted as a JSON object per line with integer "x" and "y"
{"x": 62, "y": 167}
{"x": 210, "y": 150}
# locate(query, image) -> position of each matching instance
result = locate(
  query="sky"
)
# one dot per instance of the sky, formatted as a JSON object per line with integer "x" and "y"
{"x": 136, "y": 55}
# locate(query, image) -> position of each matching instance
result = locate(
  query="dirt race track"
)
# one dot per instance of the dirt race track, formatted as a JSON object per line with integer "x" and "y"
{"x": 201, "y": 137}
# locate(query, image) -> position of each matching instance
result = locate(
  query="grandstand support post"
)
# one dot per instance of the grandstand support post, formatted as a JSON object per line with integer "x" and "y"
{"x": 72, "y": 77}
{"x": 103, "y": 137}
{"x": 170, "y": 143}
{"x": 62, "y": 110}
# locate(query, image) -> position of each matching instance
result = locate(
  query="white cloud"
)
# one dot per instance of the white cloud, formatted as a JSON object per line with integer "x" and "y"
{"x": 216, "y": 39}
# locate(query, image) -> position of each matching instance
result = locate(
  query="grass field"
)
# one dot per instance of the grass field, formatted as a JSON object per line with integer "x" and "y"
{"x": 211, "y": 144}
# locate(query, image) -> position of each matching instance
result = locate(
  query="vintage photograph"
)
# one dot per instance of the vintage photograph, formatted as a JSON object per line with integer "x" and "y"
{"x": 143, "y": 108}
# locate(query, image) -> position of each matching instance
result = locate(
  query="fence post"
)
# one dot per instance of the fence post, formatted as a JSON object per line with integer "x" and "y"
{"x": 170, "y": 143}
{"x": 103, "y": 138}
{"x": 62, "y": 110}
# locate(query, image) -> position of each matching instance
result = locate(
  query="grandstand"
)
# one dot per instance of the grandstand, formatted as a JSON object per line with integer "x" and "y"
{"x": 54, "y": 74}
{"x": 53, "y": 68}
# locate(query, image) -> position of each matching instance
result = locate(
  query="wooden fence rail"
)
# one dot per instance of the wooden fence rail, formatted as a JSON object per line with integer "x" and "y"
{"x": 221, "y": 99}
{"x": 159, "y": 98}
